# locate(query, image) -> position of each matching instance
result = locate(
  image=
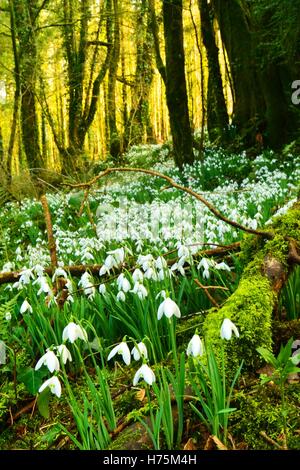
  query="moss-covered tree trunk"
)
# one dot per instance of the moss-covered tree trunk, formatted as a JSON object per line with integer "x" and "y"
{"x": 253, "y": 306}
{"x": 176, "y": 90}
{"x": 25, "y": 20}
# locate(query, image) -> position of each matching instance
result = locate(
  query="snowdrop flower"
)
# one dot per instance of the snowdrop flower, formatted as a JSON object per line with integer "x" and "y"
{"x": 39, "y": 270}
{"x": 118, "y": 255}
{"x": 183, "y": 251}
{"x": 102, "y": 289}
{"x": 123, "y": 283}
{"x": 179, "y": 266}
{"x": 146, "y": 373}
{"x": 195, "y": 347}
{"x": 19, "y": 256}
{"x": 50, "y": 360}
{"x": 160, "y": 263}
{"x": 104, "y": 270}
{"x": 64, "y": 353}
{"x": 168, "y": 308}
{"x": 87, "y": 285}
{"x": 59, "y": 272}
{"x": 73, "y": 331}
{"x": 44, "y": 286}
{"x": 109, "y": 262}
{"x": 223, "y": 266}
{"x": 137, "y": 275}
{"x": 151, "y": 274}
{"x": 53, "y": 384}
{"x": 26, "y": 276}
{"x": 139, "y": 245}
{"x": 7, "y": 316}
{"x": 140, "y": 290}
{"x": 121, "y": 296}
{"x": 139, "y": 351}
{"x": 9, "y": 266}
{"x": 121, "y": 349}
{"x": 25, "y": 306}
{"x": 227, "y": 328}
{"x": 205, "y": 264}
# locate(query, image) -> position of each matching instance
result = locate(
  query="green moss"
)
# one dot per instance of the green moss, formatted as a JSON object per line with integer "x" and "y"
{"x": 250, "y": 308}
{"x": 289, "y": 224}
{"x": 251, "y": 305}
{"x": 134, "y": 437}
{"x": 261, "y": 411}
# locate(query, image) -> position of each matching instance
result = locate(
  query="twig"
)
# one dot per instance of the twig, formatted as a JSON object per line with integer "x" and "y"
{"x": 173, "y": 183}
{"x": 271, "y": 441}
{"x": 207, "y": 293}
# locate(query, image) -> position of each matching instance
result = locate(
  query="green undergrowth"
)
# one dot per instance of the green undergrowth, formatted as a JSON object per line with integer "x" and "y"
{"x": 259, "y": 410}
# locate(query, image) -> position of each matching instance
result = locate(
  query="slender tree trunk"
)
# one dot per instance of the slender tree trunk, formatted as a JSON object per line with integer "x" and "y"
{"x": 176, "y": 90}
{"x": 114, "y": 137}
{"x": 139, "y": 128}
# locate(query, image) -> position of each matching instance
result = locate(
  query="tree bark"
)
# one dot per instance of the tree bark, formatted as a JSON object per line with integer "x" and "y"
{"x": 25, "y": 18}
{"x": 114, "y": 137}
{"x": 217, "y": 115}
{"x": 138, "y": 128}
{"x": 176, "y": 90}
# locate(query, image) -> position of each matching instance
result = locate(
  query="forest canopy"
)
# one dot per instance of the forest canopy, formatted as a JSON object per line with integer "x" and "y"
{"x": 81, "y": 80}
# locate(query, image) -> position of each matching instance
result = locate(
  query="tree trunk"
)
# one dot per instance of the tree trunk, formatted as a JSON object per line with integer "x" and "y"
{"x": 249, "y": 106}
{"x": 114, "y": 137}
{"x": 176, "y": 90}
{"x": 217, "y": 116}
{"x": 24, "y": 15}
{"x": 138, "y": 129}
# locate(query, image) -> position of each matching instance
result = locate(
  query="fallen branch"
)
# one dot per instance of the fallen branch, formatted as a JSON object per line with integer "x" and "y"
{"x": 173, "y": 183}
{"x": 78, "y": 270}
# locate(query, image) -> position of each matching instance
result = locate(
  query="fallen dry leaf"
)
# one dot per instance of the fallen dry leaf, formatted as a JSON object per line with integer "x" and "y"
{"x": 140, "y": 395}
{"x": 190, "y": 445}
